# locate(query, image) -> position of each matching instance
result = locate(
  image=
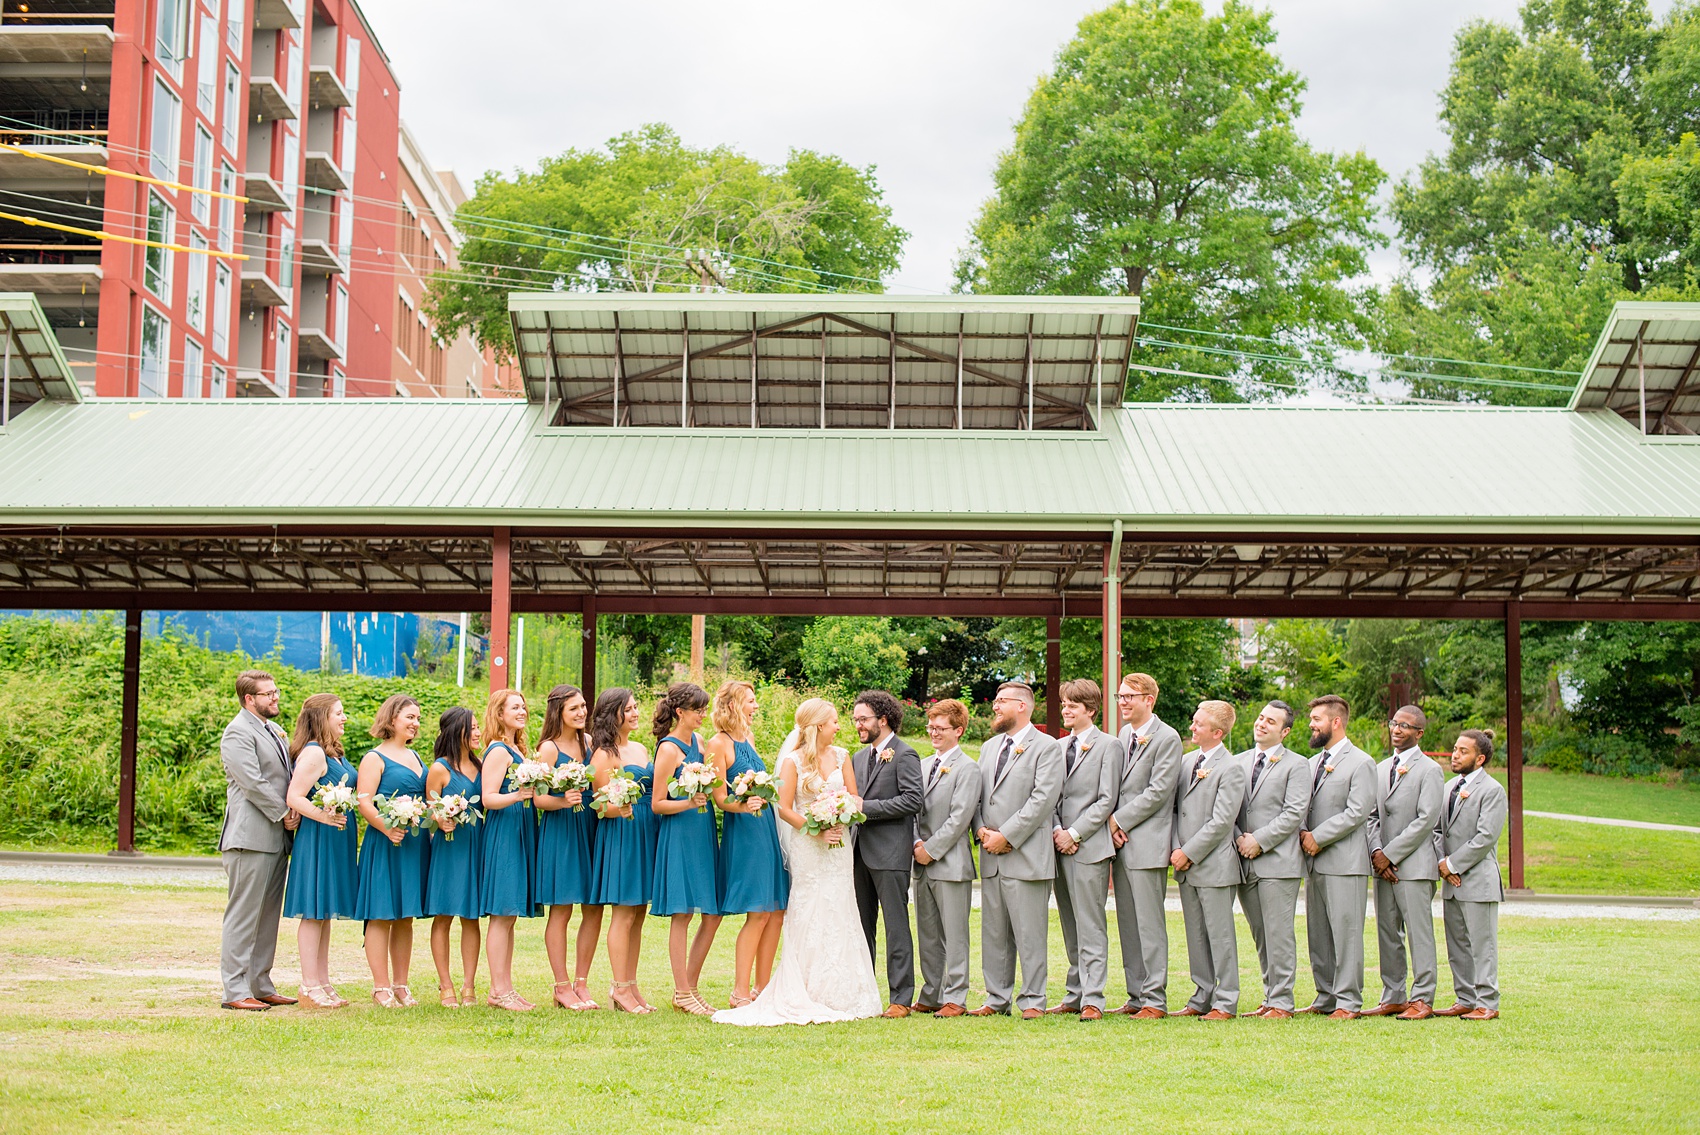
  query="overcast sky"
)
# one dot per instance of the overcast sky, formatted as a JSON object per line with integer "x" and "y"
{"x": 927, "y": 90}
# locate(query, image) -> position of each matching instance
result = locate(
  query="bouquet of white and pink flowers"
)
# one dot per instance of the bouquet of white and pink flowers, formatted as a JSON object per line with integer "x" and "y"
{"x": 398, "y": 811}
{"x": 571, "y": 776}
{"x": 756, "y": 784}
{"x": 622, "y": 789}
{"x": 456, "y": 808}
{"x": 534, "y": 775}
{"x": 694, "y": 778}
{"x": 338, "y": 799}
{"x": 834, "y": 808}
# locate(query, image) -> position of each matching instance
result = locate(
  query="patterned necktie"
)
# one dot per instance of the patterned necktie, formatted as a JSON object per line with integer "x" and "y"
{"x": 1452, "y": 801}
{"x": 1068, "y": 757}
{"x": 1393, "y": 774}
{"x": 1321, "y": 769}
{"x": 1198, "y": 764}
{"x": 1257, "y": 769}
{"x": 933, "y": 773}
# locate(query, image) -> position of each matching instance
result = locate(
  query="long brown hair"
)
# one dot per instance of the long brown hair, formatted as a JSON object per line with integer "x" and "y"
{"x": 606, "y": 718}
{"x": 555, "y": 715}
{"x": 493, "y": 728}
{"x": 680, "y": 695}
{"x": 313, "y": 726}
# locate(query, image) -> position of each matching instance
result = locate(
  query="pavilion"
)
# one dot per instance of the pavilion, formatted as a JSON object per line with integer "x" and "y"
{"x": 856, "y": 454}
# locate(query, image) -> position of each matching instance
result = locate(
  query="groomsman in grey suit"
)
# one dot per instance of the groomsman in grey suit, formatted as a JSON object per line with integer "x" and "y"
{"x": 1401, "y": 853}
{"x": 1207, "y": 865}
{"x": 944, "y": 861}
{"x": 1092, "y": 771}
{"x": 254, "y": 844}
{"x": 1277, "y": 796}
{"x": 1342, "y": 793}
{"x": 1142, "y": 828}
{"x": 1023, "y": 773}
{"x": 1470, "y": 823}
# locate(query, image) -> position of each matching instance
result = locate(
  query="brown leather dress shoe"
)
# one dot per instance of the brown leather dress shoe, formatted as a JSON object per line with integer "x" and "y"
{"x": 1189, "y": 1011}
{"x": 917, "y": 1007}
{"x": 1150, "y": 1013}
{"x": 1032, "y": 1014}
{"x": 1065, "y": 1007}
{"x": 1092, "y": 1013}
{"x": 1456, "y": 1009}
{"x": 1128, "y": 1009}
{"x": 1481, "y": 1014}
{"x": 1217, "y": 1015}
{"x": 1387, "y": 1009}
{"x": 988, "y": 1011}
{"x": 276, "y": 999}
{"x": 1257, "y": 1012}
{"x": 896, "y": 1012}
{"x": 1416, "y": 1011}
{"x": 1344, "y": 1015}
{"x": 1315, "y": 1007}
{"x": 247, "y": 1005}
{"x": 951, "y": 1011}
{"x": 1276, "y": 1015}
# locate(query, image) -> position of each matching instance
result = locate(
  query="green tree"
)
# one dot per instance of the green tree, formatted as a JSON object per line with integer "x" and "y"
{"x": 652, "y": 214}
{"x": 1569, "y": 182}
{"x": 1159, "y": 159}
{"x": 1188, "y": 657}
{"x": 855, "y": 652}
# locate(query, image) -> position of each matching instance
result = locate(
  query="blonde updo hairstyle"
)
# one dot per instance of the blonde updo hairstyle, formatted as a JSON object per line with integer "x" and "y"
{"x": 813, "y": 716}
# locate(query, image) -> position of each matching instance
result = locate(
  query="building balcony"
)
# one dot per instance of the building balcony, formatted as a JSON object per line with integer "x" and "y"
{"x": 316, "y": 343}
{"x": 317, "y": 256}
{"x": 24, "y": 172}
{"x": 265, "y": 195}
{"x": 257, "y": 384}
{"x": 260, "y": 290}
{"x": 57, "y": 40}
{"x": 23, "y": 270}
{"x": 322, "y": 173}
{"x": 269, "y": 14}
{"x": 324, "y": 89}
{"x": 266, "y": 99}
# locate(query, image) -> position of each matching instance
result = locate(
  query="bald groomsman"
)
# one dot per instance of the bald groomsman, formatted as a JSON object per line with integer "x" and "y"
{"x": 1277, "y": 796}
{"x": 1470, "y": 823}
{"x": 1207, "y": 865}
{"x": 1142, "y": 828}
{"x": 1402, "y": 855}
{"x": 1092, "y": 770}
{"x": 1342, "y": 793}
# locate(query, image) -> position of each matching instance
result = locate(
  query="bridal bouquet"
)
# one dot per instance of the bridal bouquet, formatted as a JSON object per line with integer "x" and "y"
{"x": 456, "y": 808}
{"x": 756, "y": 784}
{"x": 337, "y": 799}
{"x": 534, "y": 775}
{"x": 398, "y": 811}
{"x": 622, "y": 789}
{"x": 570, "y": 776}
{"x": 692, "y": 779}
{"x": 831, "y": 809}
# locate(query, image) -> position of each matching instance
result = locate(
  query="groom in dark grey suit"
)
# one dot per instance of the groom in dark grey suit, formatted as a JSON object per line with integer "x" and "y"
{"x": 888, "y": 777}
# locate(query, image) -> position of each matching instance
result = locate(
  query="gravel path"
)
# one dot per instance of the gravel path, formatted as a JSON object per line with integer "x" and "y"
{"x": 1642, "y": 824}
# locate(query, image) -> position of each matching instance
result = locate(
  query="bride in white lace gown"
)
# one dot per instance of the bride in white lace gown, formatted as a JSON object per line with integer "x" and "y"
{"x": 824, "y": 972}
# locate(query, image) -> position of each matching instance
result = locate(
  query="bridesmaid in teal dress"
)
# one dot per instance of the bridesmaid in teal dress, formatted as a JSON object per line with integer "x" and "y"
{"x": 451, "y": 891}
{"x": 753, "y": 879}
{"x": 566, "y": 838}
{"x": 625, "y": 843}
{"x": 323, "y": 875}
{"x": 686, "y": 881}
{"x": 392, "y": 861}
{"x": 506, "y": 888}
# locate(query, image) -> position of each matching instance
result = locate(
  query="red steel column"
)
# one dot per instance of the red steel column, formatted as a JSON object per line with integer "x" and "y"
{"x": 501, "y": 606}
{"x": 1514, "y": 734}
{"x": 1053, "y": 675}
{"x": 128, "y": 712}
{"x": 587, "y": 660}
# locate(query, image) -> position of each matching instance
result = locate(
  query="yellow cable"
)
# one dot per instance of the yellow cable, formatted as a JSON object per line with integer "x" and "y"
{"x": 99, "y": 235}
{"x": 110, "y": 172}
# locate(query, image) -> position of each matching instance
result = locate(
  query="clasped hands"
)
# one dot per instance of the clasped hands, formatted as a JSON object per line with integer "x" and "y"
{"x": 1383, "y": 866}
{"x": 993, "y": 841}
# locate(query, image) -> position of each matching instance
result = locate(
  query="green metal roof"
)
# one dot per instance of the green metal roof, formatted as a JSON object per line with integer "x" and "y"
{"x": 37, "y": 368}
{"x": 1646, "y": 368}
{"x": 1159, "y": 468}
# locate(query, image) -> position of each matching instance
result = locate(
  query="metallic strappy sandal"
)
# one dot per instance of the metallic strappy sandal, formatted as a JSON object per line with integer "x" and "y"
{"x": 511, "y": 1001}
{"x": 384, "y": 995}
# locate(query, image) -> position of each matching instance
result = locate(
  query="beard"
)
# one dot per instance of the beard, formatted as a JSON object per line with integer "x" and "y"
{"x": 867, "y": 732}
{"x": 1318, "y": 740}
{"x": 1002, "y": 723}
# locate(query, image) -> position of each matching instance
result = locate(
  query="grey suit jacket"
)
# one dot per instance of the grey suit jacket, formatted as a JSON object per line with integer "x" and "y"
{"x": 1145, "y": 800}
{"x": 255, "y": 755}
{"x": 1406, "y": 816}
{"x": 1469, "y": 840}
{"x": 951, "y": 803}
{"x": 1020, "y": 805}
{"x": 1207, "y": 804}
{"x": 1275, "y": 811}
{"x": 1339, "y": 808}
{"x": 891, "y": 796}
{"x": 1089, "y": 793}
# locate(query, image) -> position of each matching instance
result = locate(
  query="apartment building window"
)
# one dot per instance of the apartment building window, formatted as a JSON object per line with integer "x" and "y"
{"x": 291, "y": 166}
{"x": 162, "y": 145}
{"x": 232, "y": 105}
{"x": 195, "y": 305}
{"x": 436, "y": 373}
{"x": 351, "y": 66}
{"x": 157, "y": 263}
{"x": 292, "y": 78}
{"x": 342, "y": 317}
{"x": 200, "y": 204}
{"x": 350, "y": 132}
{"x": 235, "y": 25}
{"x": 226, "y": 209}
{"x": 345, "y": 229}
{"x": 339, "y": 383}
{"x": 191, "y": 369}
{"x": 206, "y": 77}
{"x": 171, "y": 40}
{"x": 285, "y": 254}
{"x": 221, "y": 310}
{"x": 156, "y": 355}
{"x": 218, "y": 383}
{"x": 282, "y": 362}
{"x": 403, "y": 325}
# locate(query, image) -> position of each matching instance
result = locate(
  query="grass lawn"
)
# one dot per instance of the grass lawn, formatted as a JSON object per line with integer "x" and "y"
{"x": 109, "y": 1022}
{"x": 1614, "y": 797}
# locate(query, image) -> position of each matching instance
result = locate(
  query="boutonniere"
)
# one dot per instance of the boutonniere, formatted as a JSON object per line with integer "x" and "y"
{"x": 1327, "y": 768}
{"x": 1143, "y": 741}
{"x": 1086, "y": 748}
{"x": 1202, "y": 773}
{"x": 1464, "y": 795}
{"x": 1020, "y": 749}
{"x": 1403, "y": 769}
{"x": 944, "y": 770}
{"x": 884, "y": 756}
{"x": 1275, "y": 760}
